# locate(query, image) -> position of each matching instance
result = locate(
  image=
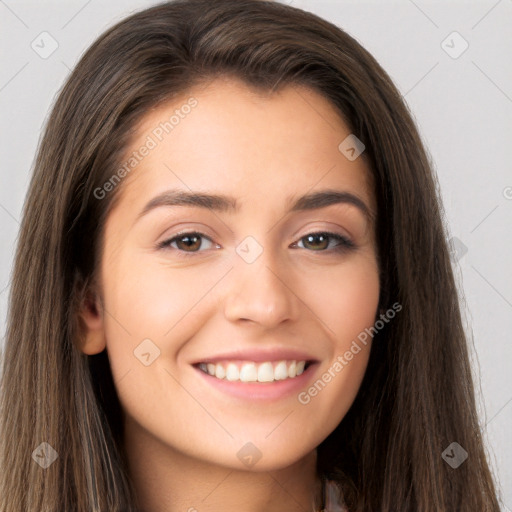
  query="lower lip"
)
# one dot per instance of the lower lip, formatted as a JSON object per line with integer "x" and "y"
{"x": 261, "y": 391}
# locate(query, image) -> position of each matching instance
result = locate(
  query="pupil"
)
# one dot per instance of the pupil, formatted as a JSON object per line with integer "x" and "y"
{"x": 313, "y": 237}
{"x": 190, "y": 240}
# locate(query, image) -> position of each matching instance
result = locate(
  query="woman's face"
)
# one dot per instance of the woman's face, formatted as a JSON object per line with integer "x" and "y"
{"x": 238, "y": 284}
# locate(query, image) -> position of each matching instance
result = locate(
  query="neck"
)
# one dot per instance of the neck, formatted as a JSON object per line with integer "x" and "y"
{"x": 166, "y": 480}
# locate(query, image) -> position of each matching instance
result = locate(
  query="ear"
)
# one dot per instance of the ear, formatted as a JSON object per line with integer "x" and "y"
{"x": 93, "y": 339}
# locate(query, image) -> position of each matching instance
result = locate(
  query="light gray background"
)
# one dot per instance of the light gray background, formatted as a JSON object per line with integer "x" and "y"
{"x": 463, "y": 107}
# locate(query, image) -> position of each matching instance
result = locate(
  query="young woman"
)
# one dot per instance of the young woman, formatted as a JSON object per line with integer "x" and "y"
{"x": 232, "y": 288}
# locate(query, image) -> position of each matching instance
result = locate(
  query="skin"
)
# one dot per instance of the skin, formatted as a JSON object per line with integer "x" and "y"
{"x": 183, "y": 435}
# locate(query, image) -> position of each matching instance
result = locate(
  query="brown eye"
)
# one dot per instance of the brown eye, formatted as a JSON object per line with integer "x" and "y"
{"x": 185, "y": 242}
{"x": 319, "y": 242}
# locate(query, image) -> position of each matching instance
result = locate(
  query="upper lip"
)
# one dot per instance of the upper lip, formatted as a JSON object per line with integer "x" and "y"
{"x": 275, "y": 354}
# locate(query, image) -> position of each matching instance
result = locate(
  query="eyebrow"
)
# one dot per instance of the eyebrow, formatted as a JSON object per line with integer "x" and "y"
{"x": 222, "y": 203}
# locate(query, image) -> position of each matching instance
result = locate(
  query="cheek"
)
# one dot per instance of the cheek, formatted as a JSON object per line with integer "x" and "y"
{"x": 145, "y": 298}
{"x": 344, "y": 297}
{"x": 346, "y": 301}
{"x": 150, "y": 297}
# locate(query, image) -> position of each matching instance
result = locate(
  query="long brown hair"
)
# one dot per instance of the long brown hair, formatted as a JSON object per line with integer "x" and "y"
{"x": 417, "y": 396}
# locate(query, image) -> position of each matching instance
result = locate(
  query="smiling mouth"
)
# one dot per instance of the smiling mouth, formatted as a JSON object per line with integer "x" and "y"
{"x": 250, "y": 371}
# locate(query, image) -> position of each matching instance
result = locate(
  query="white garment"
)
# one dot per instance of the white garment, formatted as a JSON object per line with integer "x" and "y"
{"x": 333, "y": 498}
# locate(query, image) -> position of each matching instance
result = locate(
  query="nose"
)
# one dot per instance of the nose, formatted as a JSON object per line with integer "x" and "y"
{"x": 261, "y": 293}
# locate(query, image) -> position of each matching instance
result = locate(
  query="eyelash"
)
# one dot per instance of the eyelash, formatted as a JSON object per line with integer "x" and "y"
{"x": 345, "y": 244}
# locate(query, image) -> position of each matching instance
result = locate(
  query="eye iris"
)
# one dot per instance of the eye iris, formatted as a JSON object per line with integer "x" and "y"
{"x": 188, "y": 239}
{"x": 325, "y": 238}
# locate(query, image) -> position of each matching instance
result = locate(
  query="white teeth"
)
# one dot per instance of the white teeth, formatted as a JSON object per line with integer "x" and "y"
{"x": 232, "y": 372}
{"x": 248, "y": 372}
{"x": 265, "y": 372}
{"x": 281, "y": 371}
{"x": 220, "y": 371}
{"x": 254, "y": 372}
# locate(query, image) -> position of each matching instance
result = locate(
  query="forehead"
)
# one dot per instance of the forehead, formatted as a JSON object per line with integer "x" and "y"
{"x": 235, "y": 138}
